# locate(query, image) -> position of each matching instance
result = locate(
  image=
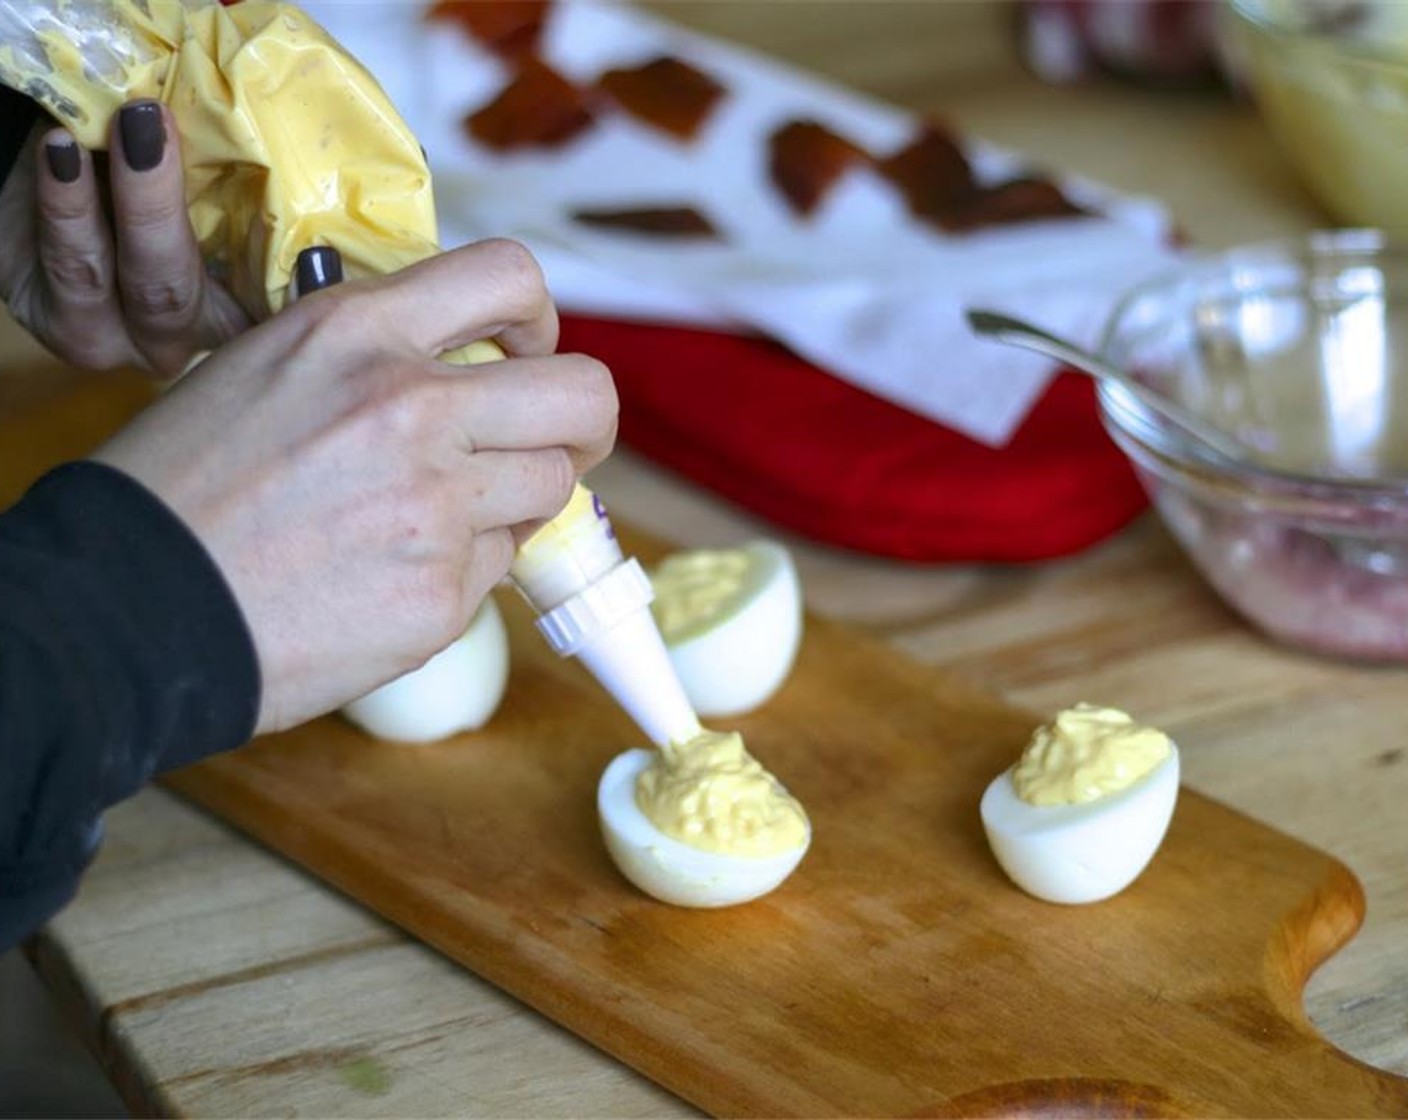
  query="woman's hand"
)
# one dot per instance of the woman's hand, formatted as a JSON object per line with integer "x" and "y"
{"x": 103, "y": 268}
{"x": 360, "y": 496}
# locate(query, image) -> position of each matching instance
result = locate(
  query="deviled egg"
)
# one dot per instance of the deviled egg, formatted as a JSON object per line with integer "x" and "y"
{"x": 457, "y": 690}
{"x": 702, "y": 823}
{"x": 732, "y": 622}
{"x": 1083, "y": 811}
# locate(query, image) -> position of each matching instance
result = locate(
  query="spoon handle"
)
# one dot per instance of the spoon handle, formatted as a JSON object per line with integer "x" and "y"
{"x": 1015, "y": 332}
{"x": 1004, "y": 328}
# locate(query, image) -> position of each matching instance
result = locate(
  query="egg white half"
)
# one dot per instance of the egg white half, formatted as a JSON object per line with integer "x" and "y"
{"x": 1085, "y": 852}
{"x": 666, "y": 868}
{"x": 740, "y": 659}
{"x": 457, "y": 690}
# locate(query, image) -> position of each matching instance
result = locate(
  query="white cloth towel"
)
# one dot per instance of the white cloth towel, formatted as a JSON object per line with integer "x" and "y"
{"x": 861, "y": 289}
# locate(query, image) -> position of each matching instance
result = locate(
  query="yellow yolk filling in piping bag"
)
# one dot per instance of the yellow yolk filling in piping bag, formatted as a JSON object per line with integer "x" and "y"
{"x": 288, "y": 142}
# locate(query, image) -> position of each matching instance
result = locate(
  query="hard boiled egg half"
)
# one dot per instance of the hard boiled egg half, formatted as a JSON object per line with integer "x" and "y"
{"x": 732, "y": 622}
{"x": 700, "y": 825}
{"x": 1081, "y": 814}
{"x": 456, "y": 690}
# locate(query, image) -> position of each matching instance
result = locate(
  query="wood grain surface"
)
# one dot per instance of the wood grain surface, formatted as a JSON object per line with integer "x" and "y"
{"x": 896, "y": 973}
{"x": 214, "y": 978}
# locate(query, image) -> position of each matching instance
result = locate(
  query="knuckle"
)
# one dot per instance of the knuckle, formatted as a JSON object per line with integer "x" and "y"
{"x": 517, "y": 269}
{"x": 486, "y": 563}
{"x": 76, "y": 271}
{"x": 398, "y": 419}
{"x": 346, "y": 315}
{"x": 558, "y": 476}
{"x": 512, "y": 257}
{"x": 597, "y": 383}
{"x": 62, "y": 208}
{"x": 402, "y": 414}
{"x": 160, "y": 298}
{"x": 596, "y": 389}
{"x": 151, "y": 211}
{"x": 412, "y": 409}
{"x": 495, "y": 552}
{"x": 608, "y": 441}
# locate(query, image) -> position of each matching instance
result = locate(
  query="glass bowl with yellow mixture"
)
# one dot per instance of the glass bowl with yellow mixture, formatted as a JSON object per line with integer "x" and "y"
{"x": 1330, "y": 78}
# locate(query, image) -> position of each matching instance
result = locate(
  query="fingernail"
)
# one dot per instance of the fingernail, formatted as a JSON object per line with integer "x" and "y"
{"x": 63, "y": 159}
{"x": 318, "y": 267}
{"x": 143, "y": 134}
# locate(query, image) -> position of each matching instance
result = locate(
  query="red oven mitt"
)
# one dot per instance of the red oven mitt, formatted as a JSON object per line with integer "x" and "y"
{"x": 751, "y": 421}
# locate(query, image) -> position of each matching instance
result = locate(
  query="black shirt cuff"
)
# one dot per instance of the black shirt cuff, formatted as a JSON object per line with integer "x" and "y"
{"x": 122, "y": 653}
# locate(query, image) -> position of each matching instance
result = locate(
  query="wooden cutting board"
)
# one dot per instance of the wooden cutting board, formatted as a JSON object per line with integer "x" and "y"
{"x": 897, "y": 973}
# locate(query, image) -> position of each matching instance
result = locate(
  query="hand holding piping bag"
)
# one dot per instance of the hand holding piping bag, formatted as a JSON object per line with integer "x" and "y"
{"x": 286, "y": 141}
{"x": 359, "y": 497}
{"x": 275, "y": 163}
{"x": 592, "y": 602}
{"x": 101, "y": 264}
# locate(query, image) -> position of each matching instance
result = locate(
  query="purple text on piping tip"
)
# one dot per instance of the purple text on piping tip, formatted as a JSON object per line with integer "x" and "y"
{"x": 599, "y": 508}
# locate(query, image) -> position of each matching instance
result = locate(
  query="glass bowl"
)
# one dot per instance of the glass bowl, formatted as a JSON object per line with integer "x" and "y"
{"x": 1298, "y": 348}
{"x": 1330, "y": 78}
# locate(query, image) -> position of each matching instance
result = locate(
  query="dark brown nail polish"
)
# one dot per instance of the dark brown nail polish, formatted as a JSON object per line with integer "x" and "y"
{"x": 65, "y": 165}
{"x": 143, "y": 134}
{"x": 318, "y": 267}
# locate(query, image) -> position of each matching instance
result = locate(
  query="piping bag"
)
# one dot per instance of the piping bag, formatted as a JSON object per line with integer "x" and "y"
{"x": 289, "y": 142}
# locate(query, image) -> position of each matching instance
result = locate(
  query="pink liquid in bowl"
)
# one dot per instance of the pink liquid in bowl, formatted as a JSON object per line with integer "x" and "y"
{"x": 1342, "y": 592}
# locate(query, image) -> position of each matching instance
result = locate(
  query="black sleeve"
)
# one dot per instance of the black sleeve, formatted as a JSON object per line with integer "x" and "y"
{"x": 17, "y": 117}
{"x": 122, "y": 653}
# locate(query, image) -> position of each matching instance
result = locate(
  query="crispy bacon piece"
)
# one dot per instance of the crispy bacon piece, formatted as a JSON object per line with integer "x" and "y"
{"x": 806, "y": 159}
{"x": 509, "y": 28}
{"x": 666, "y": 93}
{"x": 1017, "y": 200}
{"x": 654, "y": 221}
{"x": 539, "y": 108}
{"x": 931, "y": 173}
{"x": 937, "y": 183}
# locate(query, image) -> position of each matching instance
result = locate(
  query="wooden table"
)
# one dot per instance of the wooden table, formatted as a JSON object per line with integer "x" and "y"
{"x": 214, "y": 978}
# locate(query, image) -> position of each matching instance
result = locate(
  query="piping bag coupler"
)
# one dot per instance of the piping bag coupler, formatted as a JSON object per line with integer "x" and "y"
{"x": 594, "y": 604}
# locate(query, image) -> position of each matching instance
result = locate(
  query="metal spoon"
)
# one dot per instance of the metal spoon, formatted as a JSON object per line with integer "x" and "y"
{"x": 1004, "y": 328}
